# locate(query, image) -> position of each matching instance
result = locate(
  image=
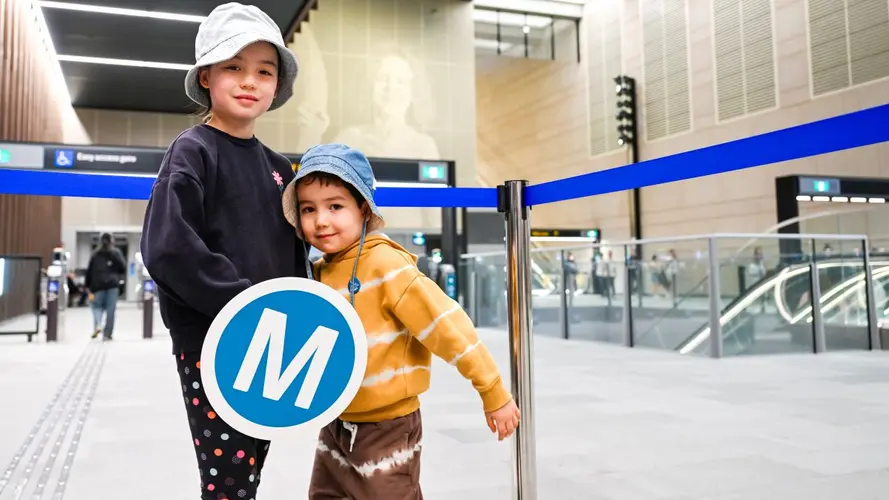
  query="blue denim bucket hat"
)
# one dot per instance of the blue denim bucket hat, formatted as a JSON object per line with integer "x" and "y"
{"x": 350, "y": 165}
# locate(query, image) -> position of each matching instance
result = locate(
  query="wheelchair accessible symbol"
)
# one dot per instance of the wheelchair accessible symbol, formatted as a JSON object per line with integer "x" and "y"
{"x": 283, "y": 357}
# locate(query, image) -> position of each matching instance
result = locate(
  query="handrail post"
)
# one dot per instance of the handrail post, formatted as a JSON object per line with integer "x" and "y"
{"x": 715, "y": 299}
{"x": 563, "y": 299}
{"x": 873, "y": 326}
{"x": 629, "y": 341}
{"x": 818, "y": 342}
{"x": 518, "y": 298}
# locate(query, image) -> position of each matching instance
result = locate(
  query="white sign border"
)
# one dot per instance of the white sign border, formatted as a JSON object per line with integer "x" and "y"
{"x": 234, "y": 306}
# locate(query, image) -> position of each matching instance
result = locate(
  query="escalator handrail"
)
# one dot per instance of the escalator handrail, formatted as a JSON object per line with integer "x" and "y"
{"x": 758, "y": 287}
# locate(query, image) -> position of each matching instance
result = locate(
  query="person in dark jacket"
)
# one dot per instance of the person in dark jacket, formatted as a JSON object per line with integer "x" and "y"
{"x": 106, "y": 268}
{"x": 214, "y": 225}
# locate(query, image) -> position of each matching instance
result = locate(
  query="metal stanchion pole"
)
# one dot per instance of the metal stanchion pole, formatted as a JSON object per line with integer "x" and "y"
{"x": 518, "y": 299}
{"x": 53, "y": 298}
{"x": 563, "y": 299}
{"x": 147, "y": 308}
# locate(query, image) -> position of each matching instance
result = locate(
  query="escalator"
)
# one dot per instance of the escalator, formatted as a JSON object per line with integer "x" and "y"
{"x": 775, "y": 314}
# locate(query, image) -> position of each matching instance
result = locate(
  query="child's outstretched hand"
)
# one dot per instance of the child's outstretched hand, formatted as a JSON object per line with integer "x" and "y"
{"x": 504, "y": 421}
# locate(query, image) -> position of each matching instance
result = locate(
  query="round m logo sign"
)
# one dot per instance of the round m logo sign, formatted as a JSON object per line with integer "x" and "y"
{"x": 283, "y": 356}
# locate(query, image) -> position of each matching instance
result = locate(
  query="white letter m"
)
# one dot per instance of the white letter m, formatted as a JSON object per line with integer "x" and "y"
{"x": 270, "y": 332}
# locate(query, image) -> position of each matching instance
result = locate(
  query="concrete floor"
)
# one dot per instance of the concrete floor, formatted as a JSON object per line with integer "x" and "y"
{"x": 612, "y": 423}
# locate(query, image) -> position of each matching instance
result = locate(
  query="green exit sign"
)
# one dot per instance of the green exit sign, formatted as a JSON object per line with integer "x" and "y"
{"x": 434, "y": 172}
{"x": 5, "y": 157}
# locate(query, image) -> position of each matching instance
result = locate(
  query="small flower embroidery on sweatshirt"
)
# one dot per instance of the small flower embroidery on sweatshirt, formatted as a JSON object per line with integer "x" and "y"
{"x": 278, "y": 179}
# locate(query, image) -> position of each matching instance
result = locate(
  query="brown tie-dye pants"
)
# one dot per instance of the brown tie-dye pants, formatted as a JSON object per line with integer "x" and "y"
{"x": 368, "y": 461}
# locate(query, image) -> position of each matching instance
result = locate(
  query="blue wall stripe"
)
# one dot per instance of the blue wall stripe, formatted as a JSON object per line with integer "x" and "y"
{"x": 60, "y": 183}
{"x": 852, "y": 130}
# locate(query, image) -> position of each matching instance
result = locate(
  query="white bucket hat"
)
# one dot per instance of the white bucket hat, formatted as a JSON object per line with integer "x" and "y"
{"x": 225, "y": 32}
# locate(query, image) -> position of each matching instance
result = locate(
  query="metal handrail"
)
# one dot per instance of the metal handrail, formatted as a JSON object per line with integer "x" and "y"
{"x": 772, "y": 236}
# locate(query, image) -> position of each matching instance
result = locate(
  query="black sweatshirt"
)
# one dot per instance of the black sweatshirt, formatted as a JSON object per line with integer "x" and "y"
{"x": 214, "y": 226}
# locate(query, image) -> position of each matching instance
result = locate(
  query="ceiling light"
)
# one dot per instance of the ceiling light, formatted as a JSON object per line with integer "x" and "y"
{"x": 876, "y": 200}
{"x": 568, "y": 10}
{"x": 802, "y": 197}
{"x": 858, "y": 199}
{"x": 840, "y": 199}
{"x": 168, "y": 16}
{"x": 125, "y": 62}
{"x": 821, "y": 198}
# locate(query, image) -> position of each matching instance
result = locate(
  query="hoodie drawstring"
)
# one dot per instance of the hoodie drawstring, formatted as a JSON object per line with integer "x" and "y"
{"x": 309, "y": 272}
{"x": 354, "y": 284}
{"x": 353, "y": 429}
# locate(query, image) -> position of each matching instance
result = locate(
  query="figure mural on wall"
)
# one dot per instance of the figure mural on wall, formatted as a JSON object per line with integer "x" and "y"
{"x": 310, "y": 92}
{"x": 399, "y": 94}
{"x": 399, "y": 91}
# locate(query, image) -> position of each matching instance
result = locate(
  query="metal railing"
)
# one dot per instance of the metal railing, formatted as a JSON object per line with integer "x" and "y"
{"x": 713, "y": 293}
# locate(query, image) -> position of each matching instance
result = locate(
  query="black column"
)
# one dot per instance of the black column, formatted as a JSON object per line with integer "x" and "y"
{"x": 786, "y": 190}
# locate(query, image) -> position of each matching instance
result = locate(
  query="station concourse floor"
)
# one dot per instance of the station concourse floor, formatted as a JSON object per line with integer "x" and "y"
{"x": 612, "y": 423}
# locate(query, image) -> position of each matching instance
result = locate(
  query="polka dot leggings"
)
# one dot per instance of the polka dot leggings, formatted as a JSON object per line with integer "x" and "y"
{"x": 229, "y": 462}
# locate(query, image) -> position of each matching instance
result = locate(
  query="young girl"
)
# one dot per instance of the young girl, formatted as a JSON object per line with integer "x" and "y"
{"x": 214, "y": 226}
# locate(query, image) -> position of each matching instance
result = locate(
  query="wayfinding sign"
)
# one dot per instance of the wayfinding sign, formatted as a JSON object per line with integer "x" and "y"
{"x": 286, "y": 355}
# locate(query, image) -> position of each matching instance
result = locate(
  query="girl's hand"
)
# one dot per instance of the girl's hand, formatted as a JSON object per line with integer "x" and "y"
{"x": 504, "y": 421}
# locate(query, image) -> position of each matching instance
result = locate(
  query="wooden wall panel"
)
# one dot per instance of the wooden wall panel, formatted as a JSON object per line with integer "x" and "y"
{"x": 29, "y": 111}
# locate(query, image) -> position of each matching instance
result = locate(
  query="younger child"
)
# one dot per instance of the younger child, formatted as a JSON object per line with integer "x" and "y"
{"x": 372, "y": 452}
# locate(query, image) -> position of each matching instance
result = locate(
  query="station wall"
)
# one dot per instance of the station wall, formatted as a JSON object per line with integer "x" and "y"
{"x": 33, "y": 107}
{"x": 707, "y": 71}
{"x": 395, "y": 81}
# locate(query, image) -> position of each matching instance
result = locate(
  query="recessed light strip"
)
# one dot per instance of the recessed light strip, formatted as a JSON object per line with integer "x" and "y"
{"x": 840, "y": 199}
{"x": 167, "y": 16}
{"x": 125, "y": 62}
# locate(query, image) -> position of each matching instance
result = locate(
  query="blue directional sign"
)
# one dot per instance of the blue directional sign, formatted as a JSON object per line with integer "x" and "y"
{"x": 286, "y": 355}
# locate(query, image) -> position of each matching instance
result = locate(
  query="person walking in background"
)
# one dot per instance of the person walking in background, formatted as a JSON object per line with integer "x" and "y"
{"x": 106, "y": 268}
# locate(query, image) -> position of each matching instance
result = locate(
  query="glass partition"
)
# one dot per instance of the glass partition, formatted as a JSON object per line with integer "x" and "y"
{"x": 766, "y": 303}
{"x": 20, "y": 294}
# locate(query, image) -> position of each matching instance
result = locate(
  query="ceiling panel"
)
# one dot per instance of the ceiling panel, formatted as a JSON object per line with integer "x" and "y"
{"x": 125, "y": 88}
{"x": 121, "y": 37}
{"x": 91, "y": 34}
{"x": 282, "y": 11}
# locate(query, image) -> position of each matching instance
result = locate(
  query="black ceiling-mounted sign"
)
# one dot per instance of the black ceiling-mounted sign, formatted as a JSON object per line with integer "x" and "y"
{"x": 147, "y": 161}
{"x": 103, "y": 159}
{"x": 847, "y": 188}
{"x": 594, "y": 234}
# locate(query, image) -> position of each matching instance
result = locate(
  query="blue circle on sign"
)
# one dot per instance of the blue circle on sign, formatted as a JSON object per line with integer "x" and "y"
{"x": 305, "y": 313}
{"x": 284, "y": 356}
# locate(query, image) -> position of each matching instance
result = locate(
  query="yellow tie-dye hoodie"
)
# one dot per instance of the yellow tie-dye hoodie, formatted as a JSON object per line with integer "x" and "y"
{"x": 407, "y": 318}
